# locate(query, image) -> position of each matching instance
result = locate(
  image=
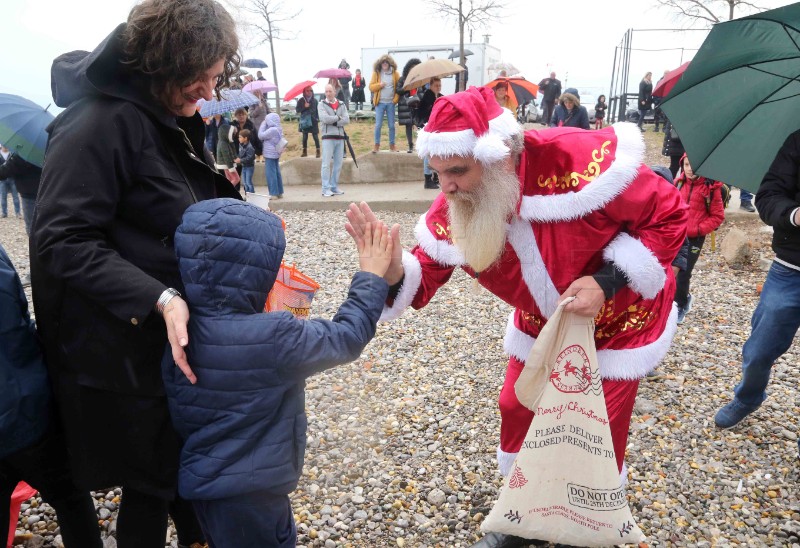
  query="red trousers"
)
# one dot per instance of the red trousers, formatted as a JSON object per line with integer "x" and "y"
{"x": 516, "y": 418}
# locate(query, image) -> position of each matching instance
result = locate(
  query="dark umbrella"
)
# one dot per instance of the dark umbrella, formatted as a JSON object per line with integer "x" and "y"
{"x": 740, "y": 97}
{"x": 254, "y": 63}
{"x": 23, "y": 126}
{"x": 350, "y": 147}
{"x": 457, "y": 53}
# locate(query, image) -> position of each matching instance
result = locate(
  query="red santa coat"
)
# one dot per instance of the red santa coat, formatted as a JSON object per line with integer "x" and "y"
{"x": 586, "y": 200}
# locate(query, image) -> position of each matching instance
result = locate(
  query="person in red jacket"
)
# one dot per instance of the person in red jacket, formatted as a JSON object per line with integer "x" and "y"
{"x": 706, "y": 213}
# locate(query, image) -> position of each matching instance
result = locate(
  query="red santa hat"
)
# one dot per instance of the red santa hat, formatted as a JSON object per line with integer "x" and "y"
{"x": 468, "y": 123}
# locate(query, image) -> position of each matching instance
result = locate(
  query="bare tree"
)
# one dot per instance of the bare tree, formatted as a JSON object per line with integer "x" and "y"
{"x": 708, "y": 12}
{"x": 469, "y": 14}
{"x": 267, "y": 27}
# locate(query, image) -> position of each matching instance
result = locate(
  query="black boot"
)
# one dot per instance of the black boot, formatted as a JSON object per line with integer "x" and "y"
{"x": 429, "y": 183}
{"x": 317, "y": 156}
{"x": 499, "y": 540}
{"x": 436, "y": 179}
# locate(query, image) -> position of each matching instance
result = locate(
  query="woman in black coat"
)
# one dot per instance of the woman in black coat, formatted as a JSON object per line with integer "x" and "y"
{"x": 672, "y": 147}
{"x": 404, "y": 114}
{"x": 645, "y": 97}
{"x": 359, "y": 84}
{"x": 104, "y": 274}
{"x": 309, "y": 119}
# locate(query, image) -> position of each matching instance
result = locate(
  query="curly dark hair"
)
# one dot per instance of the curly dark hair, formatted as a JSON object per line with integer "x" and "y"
{"x": 174, "y": 42}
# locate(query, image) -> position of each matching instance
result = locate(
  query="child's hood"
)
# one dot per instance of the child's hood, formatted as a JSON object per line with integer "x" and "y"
{"x": 273, "y": 120}
{"x": 229, "y": 253}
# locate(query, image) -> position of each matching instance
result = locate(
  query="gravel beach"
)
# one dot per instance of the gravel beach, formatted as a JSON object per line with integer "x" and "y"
{"x": 402, "y": 442}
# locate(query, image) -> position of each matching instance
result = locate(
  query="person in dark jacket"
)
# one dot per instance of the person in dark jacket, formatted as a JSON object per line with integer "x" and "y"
{"x": 244, "y": 444}
{"x": 404, "y": 114}
{"x": 7, "y": 186}
{"x": 423, "y": 114}
{"x": 344, "y": 83}
{"x": 645, "y": 99}
{"x": 551, "y": 91}
{"x": 105, "y": 278}
{"x": 777, "y": 316}
{"x": 569, "y": 112}
{"x": 309, "y": 119}
{"x": 672, "y": 147}
{"x": 32, "y": 448}
{"x": 26, "y": 177}
{"x": 359, "y": 84}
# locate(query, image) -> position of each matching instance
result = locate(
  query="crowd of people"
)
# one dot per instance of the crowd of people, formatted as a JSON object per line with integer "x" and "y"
{"x": 137, "y": 297}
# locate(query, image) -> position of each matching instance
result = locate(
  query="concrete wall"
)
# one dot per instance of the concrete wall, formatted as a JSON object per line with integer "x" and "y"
{"x": 383, "y": 167}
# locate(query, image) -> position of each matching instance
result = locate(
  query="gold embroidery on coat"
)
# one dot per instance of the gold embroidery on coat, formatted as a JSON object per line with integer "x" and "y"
{"x": 634, "y": 317}
{"x": 441, "y": 231}
{"x": 572, "y": 179}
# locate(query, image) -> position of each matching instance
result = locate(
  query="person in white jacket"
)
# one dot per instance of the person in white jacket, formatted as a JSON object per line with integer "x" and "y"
{"x": 333, "y": 116}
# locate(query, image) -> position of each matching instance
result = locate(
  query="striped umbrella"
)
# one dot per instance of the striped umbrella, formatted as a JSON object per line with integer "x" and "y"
{"x": 23, "y": 126}
{"x": 231, "y": 100}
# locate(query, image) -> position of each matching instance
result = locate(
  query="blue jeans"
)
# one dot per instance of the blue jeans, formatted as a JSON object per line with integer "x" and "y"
{"x": 380, "y": 110}
{"x": 332, "y": 151}
{"x": 247, "y": 178}
{"x": 426, "y": 169}
{"x": 774, "y": 325}
{"x": 272, "y": 168}
{"x": 28, "y": 204}
{"x": 745, "y": 196}
{"x": 6, "y": 186}
{"x": 641, "y": 117}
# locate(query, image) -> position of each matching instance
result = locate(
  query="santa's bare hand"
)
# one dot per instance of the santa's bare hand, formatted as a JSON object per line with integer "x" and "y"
{"x": 589, "y": 297}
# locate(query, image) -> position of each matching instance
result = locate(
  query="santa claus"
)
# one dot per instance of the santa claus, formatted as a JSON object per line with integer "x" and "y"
{"x": 537, "y": 217}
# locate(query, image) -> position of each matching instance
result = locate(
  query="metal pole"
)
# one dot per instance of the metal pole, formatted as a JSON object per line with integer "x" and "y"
{"x": 613, "y": 74}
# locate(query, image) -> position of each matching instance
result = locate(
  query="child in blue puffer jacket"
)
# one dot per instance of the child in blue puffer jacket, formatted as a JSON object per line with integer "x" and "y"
{"x": 243, "y": 424}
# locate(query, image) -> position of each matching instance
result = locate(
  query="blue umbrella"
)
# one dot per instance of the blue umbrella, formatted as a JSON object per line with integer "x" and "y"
{"x": 231, "y": 100}
{"x": 254, "y": 63}
{"x": 23, "y": 126}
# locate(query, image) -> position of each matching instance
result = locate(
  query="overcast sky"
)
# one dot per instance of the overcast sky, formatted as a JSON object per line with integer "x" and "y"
{"x": 576, "y": 39}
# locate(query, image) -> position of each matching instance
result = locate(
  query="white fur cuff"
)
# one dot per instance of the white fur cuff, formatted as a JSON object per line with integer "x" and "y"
{"x": 645, "y": 274}
{"x": 412, "y": 280}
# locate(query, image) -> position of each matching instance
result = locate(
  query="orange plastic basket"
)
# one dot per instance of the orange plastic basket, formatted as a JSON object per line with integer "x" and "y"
{"x": 293, "y": 292}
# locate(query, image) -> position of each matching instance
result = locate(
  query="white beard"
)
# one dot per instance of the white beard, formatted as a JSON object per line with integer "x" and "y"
{"x": 478, "y": 219}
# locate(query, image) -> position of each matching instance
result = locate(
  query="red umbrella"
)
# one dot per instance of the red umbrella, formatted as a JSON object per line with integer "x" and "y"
{"x": 668, "y": 81}
{"x": 298, "y": 89}
{"x": 519, "y": 89}
{"x": 333, "y": 73}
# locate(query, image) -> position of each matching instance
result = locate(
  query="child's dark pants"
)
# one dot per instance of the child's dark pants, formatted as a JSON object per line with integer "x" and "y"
{"x": 254, "y": 520}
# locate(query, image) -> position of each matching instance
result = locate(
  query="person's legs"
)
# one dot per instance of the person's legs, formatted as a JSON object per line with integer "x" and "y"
{"x": 684, "y": 276}
{"x": 28, "y": 204}
{"x": 315, "y": 135}
{"x": 410, "y": 137}
{"x": 327, "y": 158}
{"x": 275, "y": 181}
{"x": 380, "y": 111}
{"x": 674, "y": 165}
{"x": 305, "y": 144}
{"x": 254, "y": 520}
{"x": 247, "y": 178}
{"x": 14, "y": 197}
{"x": 186, "y": 523}
{"x": 4, "y": 197}
{"x": 774, "y": 325}
{"x": 338, "y": 151}
{"x": 641, "y": 119}
{"x": 390, "y": 113}
{"x": 45, "y": 467}
{"x": 142, "y": 520}
{"x": 746, "y": 200}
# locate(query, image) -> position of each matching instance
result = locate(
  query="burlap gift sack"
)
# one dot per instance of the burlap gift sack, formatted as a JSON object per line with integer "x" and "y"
{"x": 565, "y": 486}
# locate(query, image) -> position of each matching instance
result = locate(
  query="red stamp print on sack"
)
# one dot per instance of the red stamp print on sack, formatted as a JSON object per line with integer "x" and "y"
{"x": 572, "y": 372}
{"x": 517, "y": 480}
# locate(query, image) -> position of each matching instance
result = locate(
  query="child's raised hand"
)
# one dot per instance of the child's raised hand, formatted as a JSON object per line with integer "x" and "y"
{"x": 375, "y": 248}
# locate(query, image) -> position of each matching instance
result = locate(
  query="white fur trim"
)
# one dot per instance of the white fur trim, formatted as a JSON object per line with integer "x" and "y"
{"x": 505, "y": 461}
{"x": 534, "y": 271}
{"x": 412, "y": 280}
{"x": 627, "y": 364}
{"x": 441, "y": 251}
{"x": 645, "y": 274}
{"x": 446, "y": 144}
{"x": 574, "y": 205}
{"x": 504, "y": 125}
{"x": 490, "y": 149}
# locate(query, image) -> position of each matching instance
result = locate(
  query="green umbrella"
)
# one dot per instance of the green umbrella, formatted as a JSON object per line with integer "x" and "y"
{"x": 740, "y": 97}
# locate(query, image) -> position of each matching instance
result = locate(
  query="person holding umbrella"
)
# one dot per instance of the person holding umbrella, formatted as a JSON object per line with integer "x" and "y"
{"x": 423, "y": 114}
{"x": 309, "y": 119}
{"x": 106, "y": 285}
{"x": 405, "y": 104}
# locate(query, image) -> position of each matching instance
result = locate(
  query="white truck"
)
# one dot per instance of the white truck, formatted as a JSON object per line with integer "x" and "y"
{"x": 483, "y": 55}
